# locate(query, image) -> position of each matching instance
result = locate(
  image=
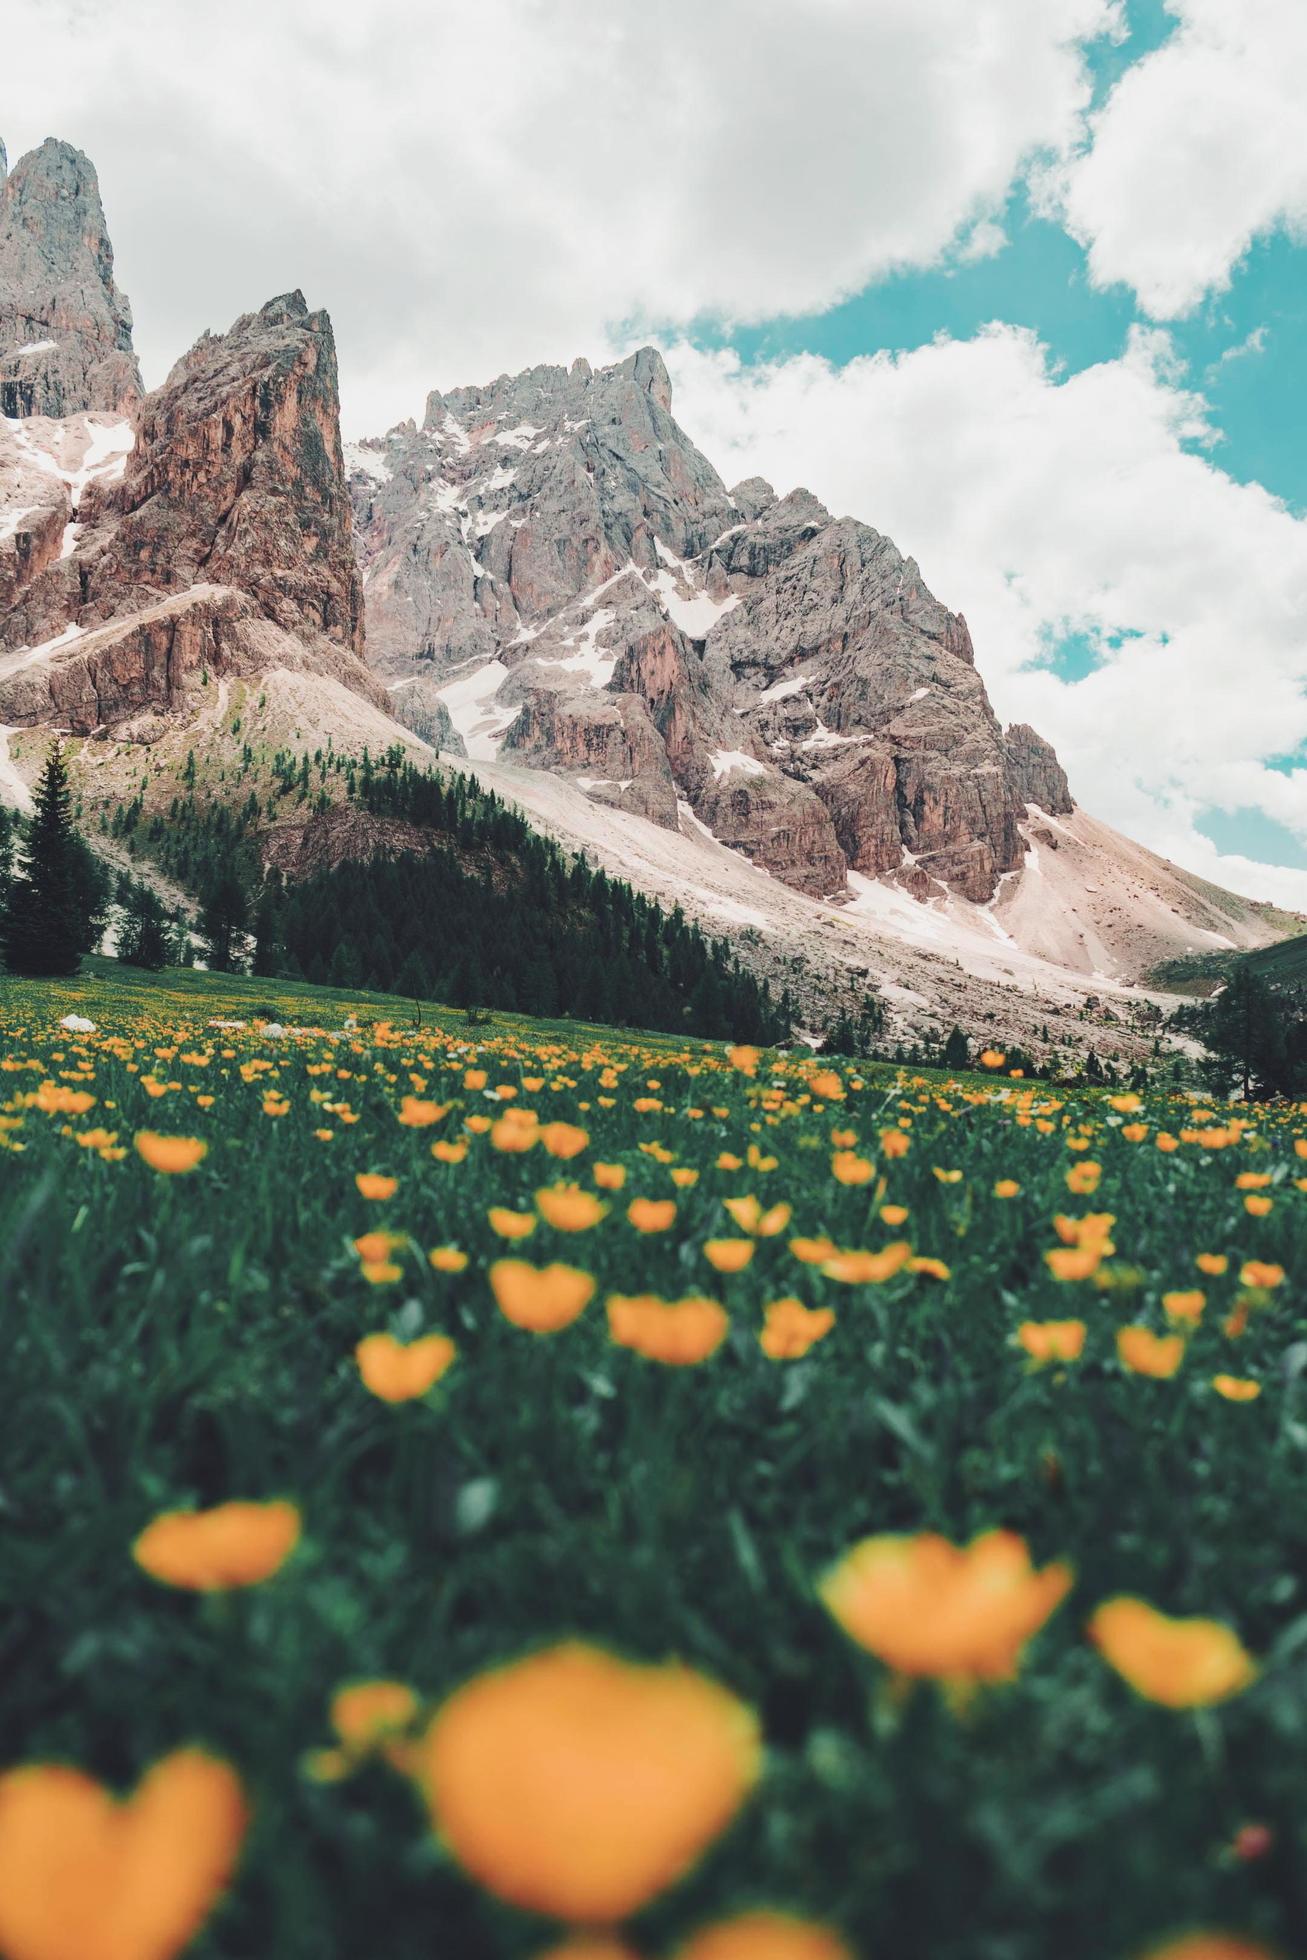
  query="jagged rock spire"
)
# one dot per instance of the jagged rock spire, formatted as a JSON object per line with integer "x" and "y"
{"x": 65, "y": 328}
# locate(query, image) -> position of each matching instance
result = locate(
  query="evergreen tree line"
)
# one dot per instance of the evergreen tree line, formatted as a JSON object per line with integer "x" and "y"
{"x": 1255, "y": 1035}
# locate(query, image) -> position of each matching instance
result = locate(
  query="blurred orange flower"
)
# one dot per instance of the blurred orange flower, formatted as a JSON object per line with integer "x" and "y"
{"x": 651, "y": 1214}
{"x": 85, "y": 1876}
{"x": 174, "y": 1156}
{"x": 958, "y": 1612}
{"x": 791, "y": 1328}
{"x": 398, "y": 1373}
{"x": 1146, "y": 1353}
{"x": 542, "y": 1299}
{"x": 1052, "y": 1340}
{"x": 211, "y": 1551}
{"x": 764, "y": 1936}
{"x": 1179, "y": 1663}
{"x": 371, "y": 1184}
{"x": 580, "y": 1785}
{"x": 679, "y": 1333}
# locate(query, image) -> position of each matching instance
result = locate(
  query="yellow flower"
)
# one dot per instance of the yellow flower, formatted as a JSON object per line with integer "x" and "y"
{"x": 447, "y": 1259}
{"x": 728, "y": 1255}
{"x": 928, "y": 1607}
{"x": 85, "y": 1876}
{"x": 679, "y": 1333}
{"x": 1126, "y": 1105}
{"x": 540, "y": 1298}
{"x": 791, "y": 1328}
{"x": 1236, "y": 1388}
{"x": 579, "y": 1785}
{"x": 174, "y": 1156}
{"x": 1146, "y": 1353}
{"x": 371, "y": 1184}
{"x": 848, "y": 1168}
{"x": 214, "y": 1551}
{"x": 511, "y": 1224}
{"x": 868, "y": 1268}
{"x": 1180, "y": 1663}
{"x": 1260, "y": 1272}
{"x": 398, "y": 1373}
{"x": 569, "y": 1209}
{"x": 1186, "y": 1306}
{"x": 764, "y": 1936}
{"x": 1052, "y": 1340}
{"x": 651, "y": 1214}
{"x": 947, "y": 1177}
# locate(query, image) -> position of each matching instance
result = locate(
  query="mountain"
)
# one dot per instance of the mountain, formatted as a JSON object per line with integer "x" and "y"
{"x": 65, "y": 329}
{"x": 743, "y": 704}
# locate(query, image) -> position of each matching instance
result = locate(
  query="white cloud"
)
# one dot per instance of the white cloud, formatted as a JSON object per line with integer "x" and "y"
{"x": 482, "y": 186}
{"x": 1043, "y": 505}
{"x": 1200, "y": 149}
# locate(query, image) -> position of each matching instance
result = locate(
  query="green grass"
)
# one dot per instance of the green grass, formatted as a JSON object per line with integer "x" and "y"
{"x": 184, "y": 1340}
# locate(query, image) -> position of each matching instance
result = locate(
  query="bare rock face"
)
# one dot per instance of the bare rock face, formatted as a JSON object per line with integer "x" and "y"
{"x": 555, "y": 552}
{"x": 237, "y": 478}
{"x": 65, "y": 329}
{"x": 1036, "y": 771}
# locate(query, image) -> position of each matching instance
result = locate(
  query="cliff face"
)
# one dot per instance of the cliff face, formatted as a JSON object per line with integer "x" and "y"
{"x": 65, "y": 328}
{"x": 213, "y": 534}
{"x": 554, "y": 559}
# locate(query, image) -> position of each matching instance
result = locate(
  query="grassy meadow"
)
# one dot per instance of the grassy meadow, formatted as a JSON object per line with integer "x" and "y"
{"x": 671, "y": 1330}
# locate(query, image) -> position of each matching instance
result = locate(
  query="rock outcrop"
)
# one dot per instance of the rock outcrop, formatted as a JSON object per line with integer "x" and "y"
{"x": 552, "y": 557}
{"x": 65, "y": 328}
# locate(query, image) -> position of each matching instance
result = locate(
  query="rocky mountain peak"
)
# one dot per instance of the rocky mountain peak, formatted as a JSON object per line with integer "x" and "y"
{"x": 65, "y": 328}
{"x": 555, "y": 573}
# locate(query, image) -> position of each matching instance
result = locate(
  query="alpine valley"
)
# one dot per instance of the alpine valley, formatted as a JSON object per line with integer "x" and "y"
{"x": 733, "y": 699}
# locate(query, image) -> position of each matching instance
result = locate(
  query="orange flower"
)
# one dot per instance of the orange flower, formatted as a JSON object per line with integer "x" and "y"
{"x": 447, "y": 1259}
{"x": 415, "y": 1114}
{"x": 569, "y": 1209}
{"x": 1134, "y": 1132}
{"x": 1084, "y": 1177}
{"x": 511, "y": 1224}
{"x": 579, "y": 1785}
{"x": 928, "y": 1607}
{"x": 374, "y": 1246}
{"x": 651, "y": 1214}
{"x": 1214, "y": 1263}
{"x": 947, "y": 1177}
{"x": 791, "y": 1328}
{"x": 894, "y": 1215}
{"x": 398, "y": 1373}
{"x": 1006, "y": 1187}
{"x": 750, "y": 1216}
{"x": 728, "y": 1255}
{"x": 1257, "y": 1207}
{"x": 826, "y": 1084}
{"x": 1185, "y": 1306}
{"x": 1260, "y": 1272}
{"x": 764, "y": 1936}
{"x": 84, "y": 1876}
{"x": 371, "y": 1184}
{"x": 174, "y": 1156}
{"x": 1179, "y": 1663}
{"x": 445, "y": 1152}
{"x": 1236, "y": 1388}
{"x": 609, "y": 1177}
{"x": 1146, "y": 1353}
{"x": 868, "y": 1268}
{"x": 992, "y": 1058}
{"x": 848, "y": 1168}
{"x": 812, "y": 1252}
{"x": 1073, "y": 1262}
{"x": 586, "y": 1946}
{"x": 1052, "y": 1340}
{"x": 366, "y": 1712}
{"x": 932, "y": 1268}
{"x": 516, "y": 1131}
{"x": 564, "y": 1139}
{"x": 895, "y": 1143}
{"x": 213, "y": 1551}
{"x": 542, "y": 1299}
{"x": 679, "y": 1333}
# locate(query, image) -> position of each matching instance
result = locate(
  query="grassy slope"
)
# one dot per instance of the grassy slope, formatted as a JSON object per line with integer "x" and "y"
{"x": 189, "y": 1340}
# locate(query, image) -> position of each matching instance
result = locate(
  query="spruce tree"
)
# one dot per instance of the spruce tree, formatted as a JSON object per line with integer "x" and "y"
{"x": 223, "y": 919}
{"x": 45, "y": 924}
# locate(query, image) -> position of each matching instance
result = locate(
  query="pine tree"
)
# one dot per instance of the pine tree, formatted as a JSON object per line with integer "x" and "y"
{"x": 45, "y": 919}
{"x": 957, "y": 1053}
{"x": 144, "y": 939}
{"x": 223, "y": 919}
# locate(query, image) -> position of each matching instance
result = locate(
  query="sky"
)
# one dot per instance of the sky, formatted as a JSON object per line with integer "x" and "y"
{"x": 1022, "y": 283}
